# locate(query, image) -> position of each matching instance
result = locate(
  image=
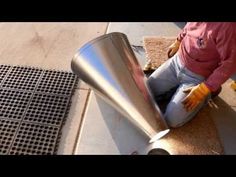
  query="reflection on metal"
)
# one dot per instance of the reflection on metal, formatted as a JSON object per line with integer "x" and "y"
{"x": 109, "y": 66}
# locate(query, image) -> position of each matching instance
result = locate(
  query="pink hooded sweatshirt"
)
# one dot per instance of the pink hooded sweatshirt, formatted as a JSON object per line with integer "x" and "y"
{"x": 209, "y": 49}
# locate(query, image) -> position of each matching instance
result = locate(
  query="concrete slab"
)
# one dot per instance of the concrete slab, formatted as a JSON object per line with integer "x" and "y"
{"x": 136, "y": 31}
{"x": 82, "y": 85}
{"x": 106, "y": 131}
{"x": 72, "y": 125}
{"x": 225, "y": 118}
{"x": 47, "y": 45}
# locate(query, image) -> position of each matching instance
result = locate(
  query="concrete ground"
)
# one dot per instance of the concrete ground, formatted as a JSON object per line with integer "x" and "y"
{"x": 51, "y": 46}
{"x": 105, "y": 131}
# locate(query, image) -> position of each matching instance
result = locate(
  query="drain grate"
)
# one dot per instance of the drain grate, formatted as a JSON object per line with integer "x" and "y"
{"x": 7, "y": 131}
{"x": 47, "y": 109}
{"x": 34, "y": 139}
{"x": 22, "y": 78}
{"x": 61, "y": 82}
{"x": 33, "y": 106}
{"x": 13, "y": 103}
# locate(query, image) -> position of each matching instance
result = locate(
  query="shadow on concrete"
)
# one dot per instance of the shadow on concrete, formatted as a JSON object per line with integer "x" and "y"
{"x": 180, "y": 24}
{"x": 128, "y": 139}
{"x": 225, "y": 119}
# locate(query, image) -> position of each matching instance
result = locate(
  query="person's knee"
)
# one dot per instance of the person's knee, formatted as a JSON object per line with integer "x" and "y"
{"x": 152, "y": 84}
{"x": 175, "y": 117}
{"x": 172, "y": 120}
{"x": 150, "y": 81}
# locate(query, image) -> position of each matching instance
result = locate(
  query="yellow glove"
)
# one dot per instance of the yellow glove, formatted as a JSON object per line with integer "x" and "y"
{"x": 233, "y": 85}
{"x": 196, "y": 95}
{"x": 173, "y": 48}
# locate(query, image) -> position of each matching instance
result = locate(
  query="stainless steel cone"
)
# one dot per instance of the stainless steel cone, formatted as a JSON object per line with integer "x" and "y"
{"x": 109, "y": 66}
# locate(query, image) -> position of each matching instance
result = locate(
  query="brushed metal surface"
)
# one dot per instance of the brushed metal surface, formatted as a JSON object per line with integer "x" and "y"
{"x": 109, "y": 66}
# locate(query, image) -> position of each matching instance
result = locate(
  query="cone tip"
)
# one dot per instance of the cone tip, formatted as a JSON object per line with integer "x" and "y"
{"x": 159, "y": 135}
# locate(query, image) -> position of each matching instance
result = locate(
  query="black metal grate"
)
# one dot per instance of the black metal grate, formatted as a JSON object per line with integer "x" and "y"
{"x": 47, "y": 109}
{"x": 8, "y": 129}
{"x": 34, "y": 139}
{"x": 22, "y": 78}
{"x": 33, "y": 105}
{"x": 61, "y": 82}
{"x": 13, "y": 103}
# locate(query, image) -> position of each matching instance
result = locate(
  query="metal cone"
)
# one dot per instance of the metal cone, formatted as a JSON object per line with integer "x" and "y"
{"x": 109, "y": 66}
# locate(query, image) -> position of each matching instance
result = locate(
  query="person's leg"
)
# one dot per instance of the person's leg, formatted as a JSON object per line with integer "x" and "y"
{"x": 175, "y": 114}
{"x": 164, "y": 78}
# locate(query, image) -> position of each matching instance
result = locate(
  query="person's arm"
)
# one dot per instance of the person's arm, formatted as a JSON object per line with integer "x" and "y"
{"x": 175, "y": 46}
{"x": 182, "y": 34}
{"x": 226, "y": 46}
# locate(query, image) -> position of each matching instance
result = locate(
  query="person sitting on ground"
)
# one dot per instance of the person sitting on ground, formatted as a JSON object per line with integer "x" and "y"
{"x": 202, "y": 58}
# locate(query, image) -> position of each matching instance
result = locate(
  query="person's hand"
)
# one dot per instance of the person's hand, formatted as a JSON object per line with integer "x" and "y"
{"x": 173, "y": 48}
{"x": 196, "y": 95}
